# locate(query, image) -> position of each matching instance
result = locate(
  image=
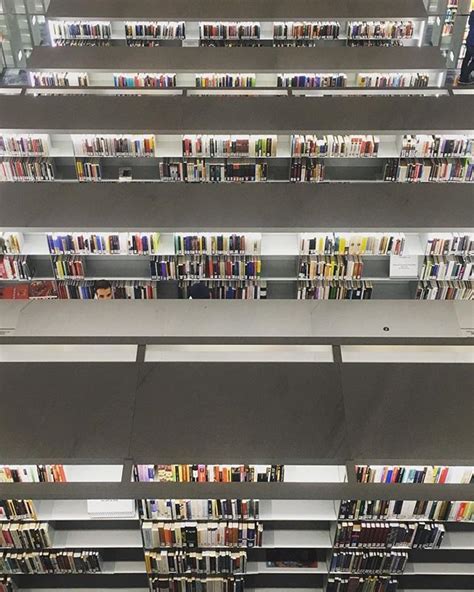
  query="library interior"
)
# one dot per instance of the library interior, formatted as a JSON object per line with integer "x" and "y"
{"x": 285, "y": 190}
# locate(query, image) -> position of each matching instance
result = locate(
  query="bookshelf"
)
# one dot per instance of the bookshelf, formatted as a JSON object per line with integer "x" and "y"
{"x": 238, "y": 157}
{"x": 264, "y": 14}
{"x": 306, "y": 265}
{"x": 265, "y": 64}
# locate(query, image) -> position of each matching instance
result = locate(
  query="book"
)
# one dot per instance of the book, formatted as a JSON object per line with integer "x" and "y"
{"x": 89, "y": 30}
{"x": 334, "y": 267}
{"x": 305, "y": 30}
{"x": 413, "y": 474}
{"x": 142, "y": 80}
{"x": 311, "y": 80}
{"x": 19, "y": 145}
{"x": 33, "y": 535}
{"x": 352, "y": 244}
{"x": 334, "y": 290}
{"x": 407, "y": 510}
{"x": 17, "y": 510}
{"x": 31, "y": 169}
{"x": 144, "y": 30}
{"x": 117, "y": 146}
{"x": 393, "y": 80}
{"x": 387, "y": 535}
{"x": 361, "y": 584}
{"x": 229, "y": 31}
{"x": 335, "y": 146}
{"x": 380, "y": 29}
{"x": 32, "y": 474}
{"x": 59, "y": 79}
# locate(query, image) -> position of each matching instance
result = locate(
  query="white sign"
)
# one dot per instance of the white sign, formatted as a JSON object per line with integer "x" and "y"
{"x": 404, "y": 266}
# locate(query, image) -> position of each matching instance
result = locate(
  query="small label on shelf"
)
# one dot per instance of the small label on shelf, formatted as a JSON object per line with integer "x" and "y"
{"x": 404, "y": 266}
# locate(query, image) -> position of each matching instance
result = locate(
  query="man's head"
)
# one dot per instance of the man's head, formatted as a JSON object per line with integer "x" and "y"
{"x": 103, "y": 290}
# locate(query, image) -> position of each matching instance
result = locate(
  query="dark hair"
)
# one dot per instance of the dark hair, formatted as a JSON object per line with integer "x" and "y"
{"x": 102, "y": 285}
{"x": 199, "y": 291}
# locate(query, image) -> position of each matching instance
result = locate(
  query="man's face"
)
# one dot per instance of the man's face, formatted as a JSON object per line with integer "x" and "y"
{"x": 104, "y": 294}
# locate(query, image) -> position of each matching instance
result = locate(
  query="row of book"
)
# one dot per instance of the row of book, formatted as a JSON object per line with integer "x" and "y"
{"x": 209, "y": 473}
{"x": 200, "y": 171}
{"x": 456, "y": 267}
{"x": 203, "y": 562}
{"x": 49, "y": 562}
{"x": 393, "y": 80}
{"x": 455, "y": 244}
{"x": 311, "y": 80}
{"x": 433, "y": 146}
{"x": 156, "y": 30}
{"x": 332, "y": 146}
{"x": 144, "y": 80}
{"x": 381, "y": 29}
{"x": 429, "y": 171}
{"x": 78, "y": 29}
{"x": 334, "y": 267}
{"x": 23, "y": 146}
{"x": 228, "y": 290}
{"x": 404, "y": 474}
{"x": 114, "y": 146}
{"x": 445, "y": 290}
{"x": 18, "y": 510}
{"x": 32, "y": 535}
{"x": 376, "y": 562}
{"x": 202, "y": 534}
{"x": 352, "y": 244}
{"x": 138, "y": 243}
{"x": 221, "y": 146}
{"x": 193, "y": 584}
{"x": 307, "y": 170}
{"x": 32, "y": 169}
{"x": 358, "y": 584}
{"x": 205, "y": 509}
{"x": 206, "y": 266}
{"x": 348, "y": 290}
{"x": 88, "y": 171}
{"x": 69, "y": 266}
{"x": 231, "y": 31}
{"x": 458, "y": 511}
{"x": 233, "y": 244}
{"x": 81, "y": 42}
{"x": 15, "y": 267}
{"x": 389, "y": 534}
{"x": 306, "y": 30}
{"x": 225, "y": 81}
{"x": 32, "y": 474}
{"x": 61, "y": 79}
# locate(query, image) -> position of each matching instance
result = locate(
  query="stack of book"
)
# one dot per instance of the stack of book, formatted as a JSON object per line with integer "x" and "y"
{"x": 50, "y": 562}
{"x": 206, "y": 509}
{"x": 60, "y": 79}
{"x": 209, "y": 473}
{"x": 15, "y": 267}
{"x": 17, "y": 510}
{"x": 202, "y": 534}
{"x": 393, "y": 80}
{"x": 407, "y": 510}
{"x": 361, "y": 584}
{"x": 334, "y": 290}
{"x": 225, "y": 80}
{"x": 369, "y": 562}
{"x": 184, "y": 584}
{"x": 334, "y": 267}
{"x": 202, "y": 562}
{"x": 335, "y": 146}
{"x": 312, "y": 80}
{"x": 142, "y": 80}
{"x": 33, "y": 535}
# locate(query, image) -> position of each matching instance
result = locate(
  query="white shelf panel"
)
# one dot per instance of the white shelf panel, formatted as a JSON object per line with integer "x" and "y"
{"x": 458, "y": 541}
{"x": 123, "y": 567}
{"x": 113, "y": 539}
{"x": 298, "y": 510}
{"x": 60, "y": 510}
{"x": 312, "y": 539}
{"x": 408, "y": 354}
{"x": 69, "y": 353}
{"x": 260, "y": 567}
{"x": 449, "y": 569}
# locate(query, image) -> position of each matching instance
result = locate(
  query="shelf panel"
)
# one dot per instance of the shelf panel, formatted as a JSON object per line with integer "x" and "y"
{"x": 246, "y": 10}
{"x": 256, "y": 207}
{"x": 236, "y": 59}
{"x": 175, "y": 115}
